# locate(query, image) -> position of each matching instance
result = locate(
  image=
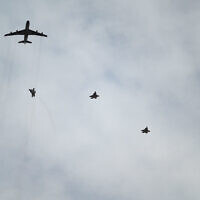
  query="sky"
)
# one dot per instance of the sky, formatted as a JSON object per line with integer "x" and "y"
{"x": 141, "y": 56}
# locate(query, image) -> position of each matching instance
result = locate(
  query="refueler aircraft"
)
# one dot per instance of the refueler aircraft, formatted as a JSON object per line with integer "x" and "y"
{"x": 26, "y": 32}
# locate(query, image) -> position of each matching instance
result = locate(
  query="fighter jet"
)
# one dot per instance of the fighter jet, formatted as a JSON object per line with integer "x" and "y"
{"x": 146, "y": 130}
{"x": 32, "y": 91}
{"x": 94, "y": 95}
{"x": 26, "y": 32}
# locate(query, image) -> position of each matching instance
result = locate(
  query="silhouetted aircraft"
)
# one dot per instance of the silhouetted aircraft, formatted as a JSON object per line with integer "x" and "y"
{"x": 26, "y": 32}
{"x": 146, "y": 130}
{"x": 32, "y": 91}
{"x": 94, "y": 95}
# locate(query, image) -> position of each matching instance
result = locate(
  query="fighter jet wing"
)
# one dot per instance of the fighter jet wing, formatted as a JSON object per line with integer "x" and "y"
{"x": 31, "y": 32}
{"x": 21, "y": 32}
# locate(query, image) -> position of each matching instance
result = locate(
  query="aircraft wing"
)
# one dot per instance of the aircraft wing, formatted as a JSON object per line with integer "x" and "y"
{"x": 31, "y": 32}
{"x": 22, "y": 32}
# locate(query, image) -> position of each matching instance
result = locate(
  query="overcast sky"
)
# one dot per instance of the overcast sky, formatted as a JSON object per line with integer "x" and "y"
{"x": 142, "y": 58}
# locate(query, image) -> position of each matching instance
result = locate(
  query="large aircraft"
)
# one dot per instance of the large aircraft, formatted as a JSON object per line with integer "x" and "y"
{"x": 26, "y": 32}
{"x": 32, "y": 91}
{"x": 146, "y": 130}
{"x": 94, "y": 95}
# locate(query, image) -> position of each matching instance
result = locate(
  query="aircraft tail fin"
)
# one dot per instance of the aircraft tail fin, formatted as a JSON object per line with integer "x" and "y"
{"x": 24, "y": 41}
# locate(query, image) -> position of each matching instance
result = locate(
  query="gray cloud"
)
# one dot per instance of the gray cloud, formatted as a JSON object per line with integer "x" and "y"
{"x": 142, "y": 58}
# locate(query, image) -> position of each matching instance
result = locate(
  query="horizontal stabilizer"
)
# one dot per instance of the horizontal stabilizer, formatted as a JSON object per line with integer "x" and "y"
{"x": 24, "y": 41}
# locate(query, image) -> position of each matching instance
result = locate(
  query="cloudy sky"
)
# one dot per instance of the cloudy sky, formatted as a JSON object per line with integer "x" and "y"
{"x": 142, "y": 57}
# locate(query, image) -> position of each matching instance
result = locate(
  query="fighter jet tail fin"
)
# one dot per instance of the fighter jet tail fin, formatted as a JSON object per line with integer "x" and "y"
{"x": 24, "y": 41}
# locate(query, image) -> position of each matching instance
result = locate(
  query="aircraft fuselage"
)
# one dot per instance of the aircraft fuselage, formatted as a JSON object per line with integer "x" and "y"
{"x": 26, "y": 31}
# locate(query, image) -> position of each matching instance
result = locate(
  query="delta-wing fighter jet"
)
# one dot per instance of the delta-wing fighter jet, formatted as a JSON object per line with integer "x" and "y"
{"x": 26, "y": 32}
{"x": 32, "y": 91}
{"x": 146, "y": 130}
{"x": 94, "y": 95}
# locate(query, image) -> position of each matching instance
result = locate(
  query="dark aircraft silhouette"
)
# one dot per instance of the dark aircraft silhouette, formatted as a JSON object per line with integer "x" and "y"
{"x": 94, "y": 95}
{"x": 26, "y": 32}
{"x": 32, "y": 91}
{"x": 146, "y": 130}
